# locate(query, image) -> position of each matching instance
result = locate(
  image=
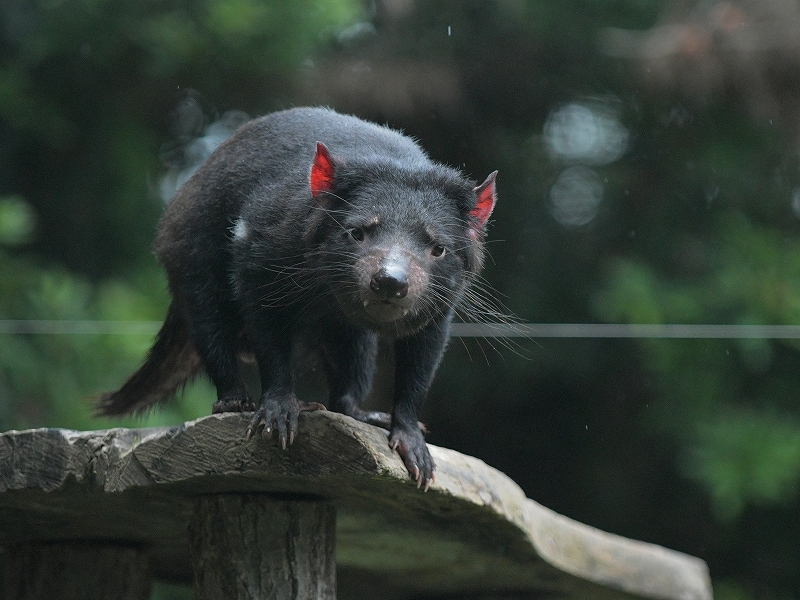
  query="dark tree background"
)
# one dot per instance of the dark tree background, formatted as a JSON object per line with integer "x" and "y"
{"x": 648, "y": 157}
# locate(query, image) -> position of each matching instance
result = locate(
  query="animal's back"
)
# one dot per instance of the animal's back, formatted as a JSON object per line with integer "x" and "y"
{"x": 291, "y": 135}
{"x": 273, "y": 151}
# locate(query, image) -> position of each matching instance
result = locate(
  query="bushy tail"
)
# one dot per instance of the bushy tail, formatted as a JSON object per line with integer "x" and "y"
{"x": 171, "y": 363}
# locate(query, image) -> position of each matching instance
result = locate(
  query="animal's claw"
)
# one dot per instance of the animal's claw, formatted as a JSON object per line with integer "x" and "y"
{"x": 411, "y": 447}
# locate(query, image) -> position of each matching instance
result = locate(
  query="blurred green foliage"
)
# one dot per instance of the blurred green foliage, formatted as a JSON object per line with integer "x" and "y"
{"x": 86, "y": 89}
{"x": 691, "y": 443}
{"x": 729, "y": 402}
{"x": 17, "y": 221}
{"x": 745, "y": 456}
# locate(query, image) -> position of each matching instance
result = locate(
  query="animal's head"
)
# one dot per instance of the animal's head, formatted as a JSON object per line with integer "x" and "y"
{"x": 397, "y": 243}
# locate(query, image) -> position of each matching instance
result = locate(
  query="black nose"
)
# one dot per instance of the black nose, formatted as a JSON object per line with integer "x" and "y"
{"x": 390, "y": 282}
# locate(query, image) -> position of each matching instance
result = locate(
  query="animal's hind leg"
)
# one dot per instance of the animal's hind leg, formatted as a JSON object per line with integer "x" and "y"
{"x": 214, "y": 329}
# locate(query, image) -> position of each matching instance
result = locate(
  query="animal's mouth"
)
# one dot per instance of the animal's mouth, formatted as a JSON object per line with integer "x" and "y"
{"x": 385, "y": 310}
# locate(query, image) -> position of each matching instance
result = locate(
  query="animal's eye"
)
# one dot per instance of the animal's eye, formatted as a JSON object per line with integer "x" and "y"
{"x": 438, "y": 251}
{"x": 357, "y": 234}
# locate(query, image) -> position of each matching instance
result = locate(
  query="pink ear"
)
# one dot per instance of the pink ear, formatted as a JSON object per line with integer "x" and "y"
{"x": 321, "y": 179}
{"x": 485, "y": 201}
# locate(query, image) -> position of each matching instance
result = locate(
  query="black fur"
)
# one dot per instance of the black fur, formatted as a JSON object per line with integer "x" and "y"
{"x": 256, "y": 259}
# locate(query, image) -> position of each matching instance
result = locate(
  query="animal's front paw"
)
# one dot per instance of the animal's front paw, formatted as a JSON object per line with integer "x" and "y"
{"x": 411, "y": 447}
{"x": 279, "y": 414}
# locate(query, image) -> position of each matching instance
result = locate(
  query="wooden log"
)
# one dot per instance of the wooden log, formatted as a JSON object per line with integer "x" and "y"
{"x": 473, "y": 534}
{"x": 76, "y": 570}
{"x": 252, "y": 546}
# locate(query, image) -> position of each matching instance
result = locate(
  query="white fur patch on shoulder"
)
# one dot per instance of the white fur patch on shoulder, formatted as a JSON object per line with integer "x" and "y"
{"x": 241, "y": 230}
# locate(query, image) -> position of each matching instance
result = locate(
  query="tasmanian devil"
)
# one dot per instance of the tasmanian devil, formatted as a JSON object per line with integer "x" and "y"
{"x": 311, "y": 225}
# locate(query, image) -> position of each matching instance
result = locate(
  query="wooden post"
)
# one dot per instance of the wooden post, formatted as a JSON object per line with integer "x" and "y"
{"x": 76, "y": 570}
{"x": 248, "y": 547}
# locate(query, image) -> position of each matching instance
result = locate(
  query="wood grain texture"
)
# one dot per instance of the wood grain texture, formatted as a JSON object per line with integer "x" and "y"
{"x": 246, "y": 546}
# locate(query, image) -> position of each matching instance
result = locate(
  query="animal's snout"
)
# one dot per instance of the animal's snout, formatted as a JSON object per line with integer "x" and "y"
{"x": 390, "y": 282}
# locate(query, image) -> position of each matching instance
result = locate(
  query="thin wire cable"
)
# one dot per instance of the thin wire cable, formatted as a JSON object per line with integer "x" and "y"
{"x": 83, "y": 327}
{"x": 464, "y": 330}
{"x": 622, "y": 330}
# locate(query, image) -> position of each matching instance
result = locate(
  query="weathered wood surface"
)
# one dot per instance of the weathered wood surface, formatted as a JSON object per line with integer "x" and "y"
{"x": 474, "y": 532}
